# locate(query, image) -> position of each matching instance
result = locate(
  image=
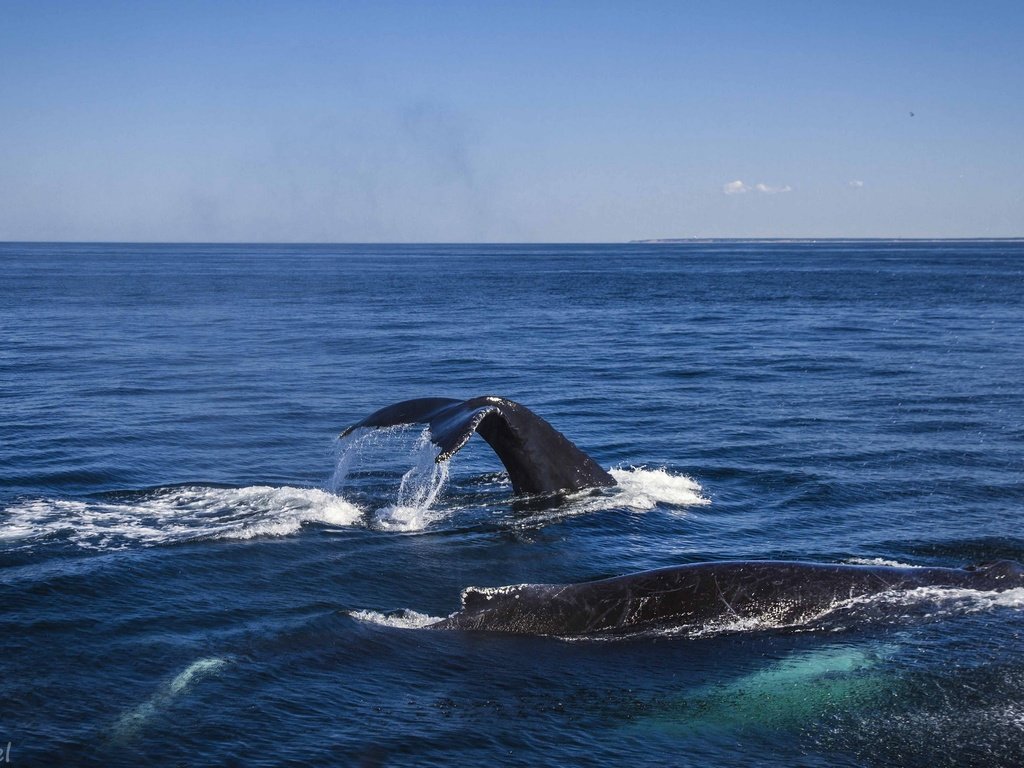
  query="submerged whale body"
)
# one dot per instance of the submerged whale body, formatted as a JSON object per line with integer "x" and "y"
{"x": 703, "y": 594}
{"x": 539, "y": 459}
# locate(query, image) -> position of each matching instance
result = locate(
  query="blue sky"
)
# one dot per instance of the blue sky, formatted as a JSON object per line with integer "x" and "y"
{"x": 480, "y": 121}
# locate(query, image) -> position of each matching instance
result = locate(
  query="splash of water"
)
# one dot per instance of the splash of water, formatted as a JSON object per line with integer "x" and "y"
{"x": 351, "y": 450}
{"x": 414, "y": 503}
{"x": 419, "y": 489}
{"x": 642, "y": 489}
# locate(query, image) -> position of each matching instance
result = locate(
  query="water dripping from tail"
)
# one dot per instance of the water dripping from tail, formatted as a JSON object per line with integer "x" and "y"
{"x": 412, "y": 506}
{"x": 419, "y": 490}
{"x": 349, "y": 451}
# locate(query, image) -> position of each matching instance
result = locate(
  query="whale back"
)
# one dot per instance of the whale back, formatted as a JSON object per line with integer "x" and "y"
{"x": 701, "y": 595}
{"x": 538, "y": 458}
{"x": 539, "y": 609}
{"x": 1003, "y": 573}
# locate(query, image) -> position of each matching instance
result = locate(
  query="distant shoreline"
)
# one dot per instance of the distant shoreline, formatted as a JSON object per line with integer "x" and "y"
{"x": 680, "y": 240}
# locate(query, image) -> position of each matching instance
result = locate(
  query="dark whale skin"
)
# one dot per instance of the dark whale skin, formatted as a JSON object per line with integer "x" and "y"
{"x": 539, "y": 459}
{"x": 701, "y": 593}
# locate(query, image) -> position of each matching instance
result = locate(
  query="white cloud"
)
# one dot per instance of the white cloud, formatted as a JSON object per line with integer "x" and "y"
{"x": 735, "y": 188}
{"x": 772, "y": 190}
{"x": 739, "y": 187}
{"x": 856, "y": 184}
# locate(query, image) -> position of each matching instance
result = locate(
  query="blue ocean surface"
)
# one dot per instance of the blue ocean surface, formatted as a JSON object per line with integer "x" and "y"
{"x": 196, "y": 570}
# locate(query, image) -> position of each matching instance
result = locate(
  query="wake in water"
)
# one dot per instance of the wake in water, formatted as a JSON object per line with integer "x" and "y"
{"x": 351, "y": 498}
{"x": 171, "y": 515}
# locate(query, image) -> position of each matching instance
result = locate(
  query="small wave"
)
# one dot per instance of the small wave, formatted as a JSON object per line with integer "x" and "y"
{"x": 177, "y": 514}
{"x": 402, "y": 619}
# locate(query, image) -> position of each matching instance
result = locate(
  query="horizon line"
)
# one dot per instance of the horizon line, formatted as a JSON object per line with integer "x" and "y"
{"x": 644, "y": 241}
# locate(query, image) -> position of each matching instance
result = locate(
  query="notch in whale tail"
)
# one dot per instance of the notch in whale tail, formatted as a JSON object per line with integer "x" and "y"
{"x": 539, "y": 459}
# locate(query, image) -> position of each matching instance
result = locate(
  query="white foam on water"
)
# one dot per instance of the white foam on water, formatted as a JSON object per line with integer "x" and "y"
{"x": 132, "y": 721}
{"x": 16, "y": 528}
{"x": 638, "y": 489}
{"x": 949, "y": 600}
{"x": 641, "y": 489}
{"x": 178, "y": 514}
{"x": 404, "y": 619}
{"x": 923, "y": 602}
{"x": 879, "y": 561}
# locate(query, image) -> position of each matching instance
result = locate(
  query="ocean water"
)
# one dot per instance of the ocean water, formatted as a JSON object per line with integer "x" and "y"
{"x": 195, "y": 570}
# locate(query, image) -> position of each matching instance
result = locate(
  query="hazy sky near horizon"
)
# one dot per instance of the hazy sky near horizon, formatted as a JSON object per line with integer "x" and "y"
{"x": 480, "y": 121}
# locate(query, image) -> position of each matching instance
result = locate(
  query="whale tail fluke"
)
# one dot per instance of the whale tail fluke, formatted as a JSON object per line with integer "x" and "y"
{"x": 539, "y": 459}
